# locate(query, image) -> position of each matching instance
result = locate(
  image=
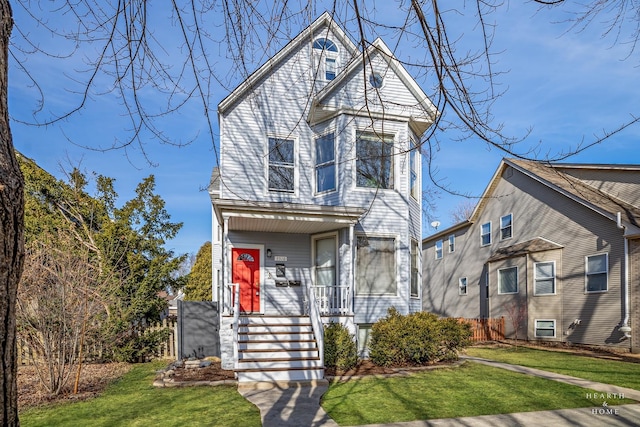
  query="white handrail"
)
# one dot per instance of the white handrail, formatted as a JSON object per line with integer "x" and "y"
{"x": 316, "y": 322}
{"x": 236, "y": 317}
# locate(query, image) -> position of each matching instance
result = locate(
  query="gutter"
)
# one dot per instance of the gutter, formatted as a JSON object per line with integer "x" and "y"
{"x": 624, "y": 327}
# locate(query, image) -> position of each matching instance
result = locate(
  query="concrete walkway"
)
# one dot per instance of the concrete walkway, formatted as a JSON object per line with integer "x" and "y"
{"x": 288, "y": 405}
{"x": 296, "y": 405}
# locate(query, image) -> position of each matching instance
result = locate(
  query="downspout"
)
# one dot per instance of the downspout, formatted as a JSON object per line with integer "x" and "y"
{"x": 624, "y": 327}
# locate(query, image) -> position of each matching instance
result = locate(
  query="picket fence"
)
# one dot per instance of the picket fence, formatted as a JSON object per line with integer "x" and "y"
{"x": 166, "y": 350}
{"x": 486, "y": 329}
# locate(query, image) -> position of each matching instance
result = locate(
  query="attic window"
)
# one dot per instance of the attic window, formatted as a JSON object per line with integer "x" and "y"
{"x": 376, "y": 80}
{"x": 325, "y": 44}
{"x": 327, "y": 53}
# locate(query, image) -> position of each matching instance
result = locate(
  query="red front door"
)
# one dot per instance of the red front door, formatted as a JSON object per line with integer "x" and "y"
{"x": 246, "y": 272}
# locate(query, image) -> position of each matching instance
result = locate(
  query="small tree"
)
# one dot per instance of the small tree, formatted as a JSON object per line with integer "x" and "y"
{"x": 517, "y": 313}
{"x": 58, "y": 307}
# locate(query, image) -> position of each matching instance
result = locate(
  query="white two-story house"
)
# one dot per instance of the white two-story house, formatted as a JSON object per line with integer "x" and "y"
{"x": 316, "y": 201}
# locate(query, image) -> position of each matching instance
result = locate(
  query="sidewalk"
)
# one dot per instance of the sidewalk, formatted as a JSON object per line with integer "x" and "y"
{"x": 299, "y": 406}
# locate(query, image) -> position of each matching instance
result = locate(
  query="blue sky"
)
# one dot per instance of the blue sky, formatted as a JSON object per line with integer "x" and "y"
{"x": 565, "y": 86}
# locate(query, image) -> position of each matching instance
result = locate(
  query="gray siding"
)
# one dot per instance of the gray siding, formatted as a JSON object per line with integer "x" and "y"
{"x": 537, "y": 212}
{"x": 634, "y": 294}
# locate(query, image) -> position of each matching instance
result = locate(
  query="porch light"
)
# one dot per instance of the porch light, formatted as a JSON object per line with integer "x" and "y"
{"x": 269, "y": 253}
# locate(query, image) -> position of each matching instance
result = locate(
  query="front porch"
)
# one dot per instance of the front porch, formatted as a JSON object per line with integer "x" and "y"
{"x": 281, "y": 348}
{"x": 285, "y": 270}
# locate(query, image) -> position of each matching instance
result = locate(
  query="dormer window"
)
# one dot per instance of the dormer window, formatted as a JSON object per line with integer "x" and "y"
{"x": 328, "y": 51}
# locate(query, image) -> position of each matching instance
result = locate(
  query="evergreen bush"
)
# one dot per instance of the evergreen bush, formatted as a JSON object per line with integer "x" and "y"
{"x": 416, "y": 339}
{"x": 339, "y": 347}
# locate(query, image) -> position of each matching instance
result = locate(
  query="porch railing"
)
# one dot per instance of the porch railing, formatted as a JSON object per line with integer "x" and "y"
{"x": 335, "y": 300}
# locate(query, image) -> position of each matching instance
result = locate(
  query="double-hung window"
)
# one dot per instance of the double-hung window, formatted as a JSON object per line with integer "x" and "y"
{"x": 325, "y": 163}
{"x": 329, "y": 52}
{"x": 462, "y": 286}
{"x": 452, "y": 243}
{"x": 281, "y": 165}
{"x": 597, "y": 272}
{"x": 376, "y": 266}
{"x": 415, "y": 273}
{"x": 438, "y": 249}
{"x": 485, "y": 234}
{"x": 374, "y": 163}
{"x": 508, "y": 280}
{"x": 544, "y": 278}
{"x": 506, "y": 227}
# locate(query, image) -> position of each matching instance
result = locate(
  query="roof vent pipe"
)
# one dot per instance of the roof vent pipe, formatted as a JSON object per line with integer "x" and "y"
{"x": 619, "y": 220}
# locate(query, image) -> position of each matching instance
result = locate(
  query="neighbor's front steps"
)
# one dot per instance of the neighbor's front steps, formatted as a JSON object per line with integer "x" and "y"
{"x": 277, "y": 348}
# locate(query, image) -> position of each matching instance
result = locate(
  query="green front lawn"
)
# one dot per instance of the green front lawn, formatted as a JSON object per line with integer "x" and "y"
{"x": 133, "y": 401}
{"x": 469, "y": 390}
{"x": 622, "y": 374}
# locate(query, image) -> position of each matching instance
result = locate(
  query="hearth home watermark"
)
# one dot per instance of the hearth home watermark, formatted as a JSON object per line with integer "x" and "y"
{"x": 605, "y": 409}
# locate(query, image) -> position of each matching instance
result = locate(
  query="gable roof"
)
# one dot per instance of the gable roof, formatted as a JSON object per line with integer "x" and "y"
{"x": 324, "y": 21}
{"x": 538, "y": 244}
{"x": 552, "y": 175}
{"x": 378, "y": 48}
{"x": 593, "y": 198}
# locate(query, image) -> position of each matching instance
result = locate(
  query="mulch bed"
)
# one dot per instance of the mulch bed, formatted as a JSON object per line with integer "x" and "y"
{"x": 94, "y": 379}
{"x": 213, "y": 372}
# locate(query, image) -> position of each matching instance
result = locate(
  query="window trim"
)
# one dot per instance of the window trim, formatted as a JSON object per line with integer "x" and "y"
{"x": 314, "y": 240}
{"x": 535, "y": 278}
{"x": 415, "y": 269}
{"x": 392, "y": 160}
{"x": 295, "y": 166}
{"x": 500, "y": 281}
{"x": 586, "y": 273}
{"x": 466, "y": 286}
{"x": 376, "y": 80}
{"x": 535, "y": 328}
{"x": 316, "y": 164}
{"x": 510, "y": 226}
{"x": 439, "y": 252}
{"x": 395, "y": 263}
{"x": 323, "y": 54}
{"x": 482, "y": 244}
{"x": 452, "y": 243}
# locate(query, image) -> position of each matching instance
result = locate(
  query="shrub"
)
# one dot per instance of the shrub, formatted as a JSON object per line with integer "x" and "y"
{"x": 339, "y": 347}
{"x": 455, "y": 336}
{"x": 416, "y": 339}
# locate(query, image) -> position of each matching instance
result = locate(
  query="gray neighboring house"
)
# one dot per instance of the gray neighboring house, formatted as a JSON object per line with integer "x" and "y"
{"x": 316, "y": 202}
{"x": 559, "y": 242}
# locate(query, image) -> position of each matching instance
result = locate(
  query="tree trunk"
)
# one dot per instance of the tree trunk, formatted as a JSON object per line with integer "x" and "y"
{"x": 11, "y": 236}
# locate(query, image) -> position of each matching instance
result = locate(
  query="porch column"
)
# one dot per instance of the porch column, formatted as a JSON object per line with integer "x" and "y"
{"x": 352, "y": 269}
{"x": 226, "y": 299}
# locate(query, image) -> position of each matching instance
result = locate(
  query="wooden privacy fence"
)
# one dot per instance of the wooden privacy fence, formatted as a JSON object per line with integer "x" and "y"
{"x": 168, "y": 349}
{"x": 486, "y": 329}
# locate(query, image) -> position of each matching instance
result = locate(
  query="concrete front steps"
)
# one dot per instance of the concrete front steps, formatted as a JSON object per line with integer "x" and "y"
{"x": 277, "y": 349}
